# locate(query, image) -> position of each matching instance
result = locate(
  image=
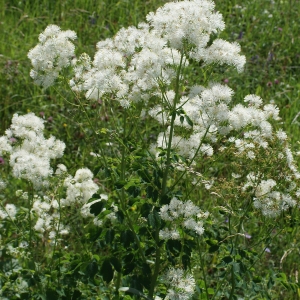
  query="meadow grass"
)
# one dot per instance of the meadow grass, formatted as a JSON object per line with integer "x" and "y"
{"x": 268, "y": 32}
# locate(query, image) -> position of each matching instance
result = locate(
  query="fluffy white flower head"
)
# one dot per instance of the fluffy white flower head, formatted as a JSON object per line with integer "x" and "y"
{"x": 80, "y": 188}
{"x": 51, "y": 55}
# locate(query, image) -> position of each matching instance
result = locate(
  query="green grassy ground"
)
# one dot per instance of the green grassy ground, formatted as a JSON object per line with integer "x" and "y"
{"x": 268, "y": 32}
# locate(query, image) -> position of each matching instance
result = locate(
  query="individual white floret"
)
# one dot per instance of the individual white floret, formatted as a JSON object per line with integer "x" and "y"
{"x": 107, "y": 58}
{"x": 190, "y": 224}
{"x": 97, "y": 222}
{"x": 251, "y": 155}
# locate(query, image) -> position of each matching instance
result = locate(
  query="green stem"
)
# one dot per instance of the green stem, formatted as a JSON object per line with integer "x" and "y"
{"x": 203, "y": 270}
{"x": 232, "y": 284}
{"x": 190, "y": 163}
{"x": 156, "y": 266}
{"x": 122, "y": 196}
{"x": 169, "y": 146}
{"x": 165, "y": 176}
{"x": 29, "y": 216}
{"x": 118, "y": 283}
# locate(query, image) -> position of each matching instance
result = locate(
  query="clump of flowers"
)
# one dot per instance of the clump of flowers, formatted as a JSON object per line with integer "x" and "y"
{"x": 31, "y": 153}
{"x": 178, "y": 215}
{"x": 271, "y": 202}
{"x": 9, "y": 211}
{"x": 80, "y": 188}
{"x": 51, "y": 55}
{"x": 181, "y": 284}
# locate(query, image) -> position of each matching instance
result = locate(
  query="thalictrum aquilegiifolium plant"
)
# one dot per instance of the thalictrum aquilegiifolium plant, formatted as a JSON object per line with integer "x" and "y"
{"x": 165, "y": 218}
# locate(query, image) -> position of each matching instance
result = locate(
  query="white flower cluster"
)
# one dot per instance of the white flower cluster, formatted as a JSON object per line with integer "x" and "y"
{"x": 182, "y": 286}
{"x": 181, "y": 214}
{"x": 49, "y": 220}
{"x": 80, "y": 188}
{"x": 120, "y": 69}
{"x": 134, "y": 64}
{"x": 193, "y": 22}
{"x": 269, "y": 201}
{"x": 51, "y": 55}
{"x": 291, "y": 163}
{"x": 9, "y": 211}
{"x": 212, "y": 117}
{"x": 30, "y": 155}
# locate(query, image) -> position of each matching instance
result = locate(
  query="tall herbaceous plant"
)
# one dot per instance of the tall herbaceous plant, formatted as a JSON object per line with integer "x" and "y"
{"x": 183, "y": 173}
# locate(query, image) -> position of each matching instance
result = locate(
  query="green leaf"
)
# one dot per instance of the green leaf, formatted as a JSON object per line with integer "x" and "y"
{"x": 120, "y": 216}
{"x": 210, "y": 291}
{"x": 96, "y": 208}
{"x": 145, "y": 209}
{"x": 76, "y": 295}
{"x": 211, "y": 242}
{"x": 128, "y": 268}
{"x": 152, "y": 193}
{"x": 135, "y": 292}
{"x": 189, "y": 121}
{"x": 150, "y": 251}
{"x": 134, "y": 191}
{"x": 236, "y": 267}
{"x": 92, "y": 269}
{"x": 227, "y": 259}
{"x": 127, "y": 238}
{"x": 109, "y": 236}
{"x": 95, "y": 197}
{"x": 162, "y": 153}
{"x": 51, "y": 294}
{"x": 96, "y": 170}
{"x": 256, "y": 279}
{"x": 174, "y": 246}
{"x": 213, "y": 248}
{"x": 120, "y": 184}
{"x": 144, "y": 174}
{"x": 116, "y": 263}
{"x": 107, "y": 271}
{"x": 186, "y": 261}
{"x": 154, "y": 219}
